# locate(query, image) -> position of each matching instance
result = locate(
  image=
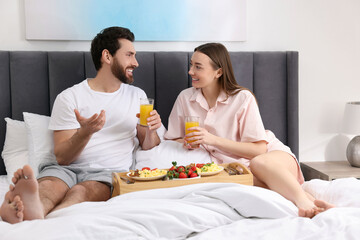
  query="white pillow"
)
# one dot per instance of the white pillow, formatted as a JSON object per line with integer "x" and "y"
{"x": 40, "y": 140}
{"x": 15, "y": 152}
{"x": 160, "y": 131}
{"x": 168, "y": 151}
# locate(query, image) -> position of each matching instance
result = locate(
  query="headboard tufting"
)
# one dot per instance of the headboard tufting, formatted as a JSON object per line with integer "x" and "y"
{"x": 31, "y": 80}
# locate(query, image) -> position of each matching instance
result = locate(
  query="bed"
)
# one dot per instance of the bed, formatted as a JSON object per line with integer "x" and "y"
{"x": 29, "y": 83}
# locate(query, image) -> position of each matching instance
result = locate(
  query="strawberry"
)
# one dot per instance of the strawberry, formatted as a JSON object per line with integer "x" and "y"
{"x": 192, "y": 175}
{"x": 193, "y": 168}
{"x": 180, "y": 169}
{"x": 182, "y": 175}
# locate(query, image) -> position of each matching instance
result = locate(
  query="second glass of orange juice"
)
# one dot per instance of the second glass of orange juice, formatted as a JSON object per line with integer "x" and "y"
{"x": 191, "y": 121}
{"x": 146, "y": 106}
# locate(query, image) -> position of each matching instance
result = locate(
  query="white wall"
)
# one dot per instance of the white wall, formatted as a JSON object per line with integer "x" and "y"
{"x": 325, "y": 32}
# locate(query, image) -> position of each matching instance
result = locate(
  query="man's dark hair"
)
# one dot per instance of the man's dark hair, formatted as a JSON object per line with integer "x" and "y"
{"x": 108, "y": 39}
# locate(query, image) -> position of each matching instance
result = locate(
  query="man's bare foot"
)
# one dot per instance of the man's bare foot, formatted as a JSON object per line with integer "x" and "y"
{"x": 12, "y": 209}
{"x": 25, "y": 194}
{"x": 17, "y": 175}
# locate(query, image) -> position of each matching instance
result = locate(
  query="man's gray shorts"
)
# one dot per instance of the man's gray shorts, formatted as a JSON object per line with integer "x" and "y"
{"x": 73, "y": 175}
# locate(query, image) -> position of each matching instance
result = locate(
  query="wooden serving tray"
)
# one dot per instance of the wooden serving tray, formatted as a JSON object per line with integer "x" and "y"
{"x": 121, "y": 187}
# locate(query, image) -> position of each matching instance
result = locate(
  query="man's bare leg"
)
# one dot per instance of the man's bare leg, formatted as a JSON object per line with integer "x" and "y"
{"x": 12, "y": 209}
{"x": 25, "y": 193}
{"x": 85, "y": 191}
{"x": 52, "y": 191}
{"x": 28, "y": 199}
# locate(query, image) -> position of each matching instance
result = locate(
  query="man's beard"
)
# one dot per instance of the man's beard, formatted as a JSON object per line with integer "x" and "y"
{"x": 119, "y": 72}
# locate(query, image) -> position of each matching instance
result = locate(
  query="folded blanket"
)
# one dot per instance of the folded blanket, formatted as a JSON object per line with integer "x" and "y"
{"x": 201, "y": 211}
{"x": 171, "y": 213}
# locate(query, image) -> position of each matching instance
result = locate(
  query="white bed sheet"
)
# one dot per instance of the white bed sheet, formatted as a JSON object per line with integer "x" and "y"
{"x": 4, "y": 186}
{"x": 201, "y": 211}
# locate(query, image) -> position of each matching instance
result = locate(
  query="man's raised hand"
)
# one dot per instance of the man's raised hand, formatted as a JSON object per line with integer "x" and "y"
{"x": 93, "y": 124}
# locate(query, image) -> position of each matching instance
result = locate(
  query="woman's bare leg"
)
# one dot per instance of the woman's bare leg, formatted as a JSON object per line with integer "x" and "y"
{"x": 279, "y": 172}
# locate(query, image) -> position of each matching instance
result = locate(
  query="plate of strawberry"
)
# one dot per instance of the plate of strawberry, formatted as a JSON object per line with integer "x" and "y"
{"x": 183, "y": 172}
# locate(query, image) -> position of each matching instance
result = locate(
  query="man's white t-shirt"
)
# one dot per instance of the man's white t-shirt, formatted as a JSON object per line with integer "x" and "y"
{"x": 111, "y": 147}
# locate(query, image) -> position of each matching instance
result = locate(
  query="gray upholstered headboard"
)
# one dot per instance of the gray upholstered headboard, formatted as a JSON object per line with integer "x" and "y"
{"x": 30, "y": 81}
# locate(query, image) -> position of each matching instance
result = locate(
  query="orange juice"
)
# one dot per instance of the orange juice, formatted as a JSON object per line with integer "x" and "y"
{"x": 145, "y": 110}
{"x": 189, "y": 125}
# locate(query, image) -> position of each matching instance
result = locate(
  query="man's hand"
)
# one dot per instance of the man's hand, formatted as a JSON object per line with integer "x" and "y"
{"x": 154, "y": 121}
{"x": 68, "y": 144}
{"x": 93, "y": 124}
{"x": 147, "y": 135}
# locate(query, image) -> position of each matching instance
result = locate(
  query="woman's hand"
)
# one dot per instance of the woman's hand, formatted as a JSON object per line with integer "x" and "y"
{"x": 247, "y": 150}
{"x": 190, "y": 146}
{"x": 199, "y": 136}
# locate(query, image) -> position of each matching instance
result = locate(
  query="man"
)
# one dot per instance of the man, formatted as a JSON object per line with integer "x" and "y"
{"x": 95, "y": 125}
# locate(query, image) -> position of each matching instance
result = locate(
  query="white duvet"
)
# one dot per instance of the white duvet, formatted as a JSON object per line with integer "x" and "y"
{"x": 201, "y": 211}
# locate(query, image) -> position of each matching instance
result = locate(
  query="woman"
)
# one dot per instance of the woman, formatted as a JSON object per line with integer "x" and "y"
{"x": 233, "y": 129}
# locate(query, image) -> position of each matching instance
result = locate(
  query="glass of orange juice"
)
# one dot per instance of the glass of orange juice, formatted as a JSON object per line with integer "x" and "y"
{"x": 146, "y": 106}
{"x": 191, "y": 121}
